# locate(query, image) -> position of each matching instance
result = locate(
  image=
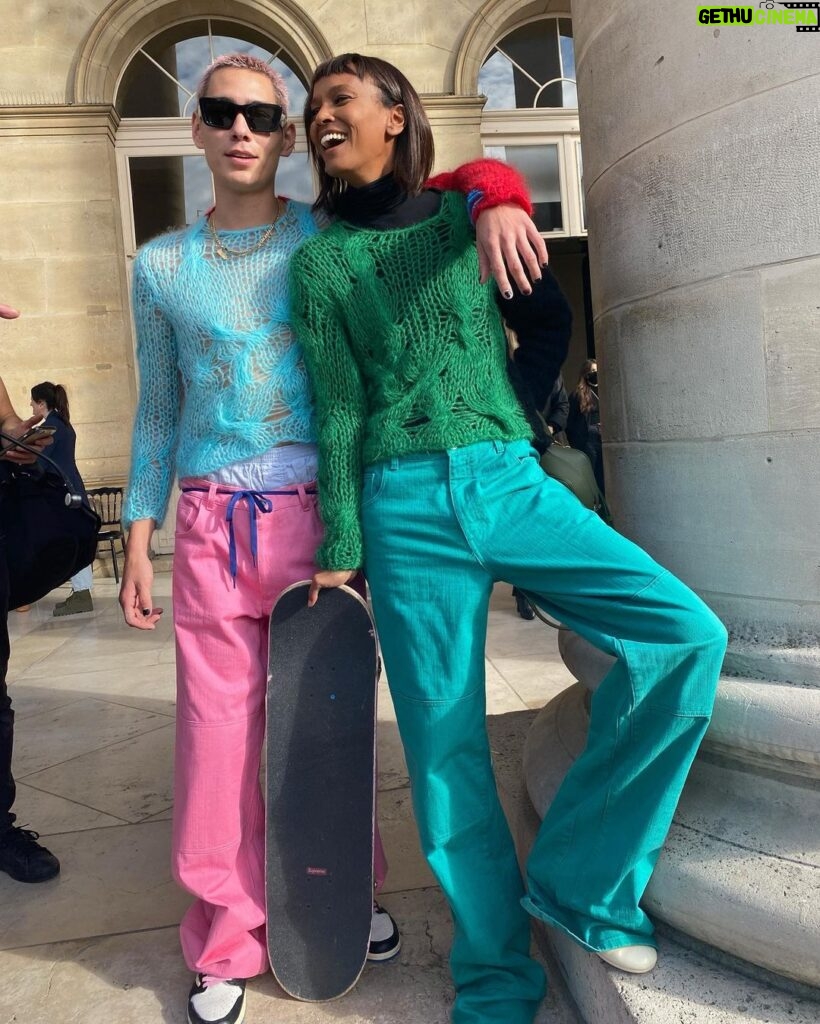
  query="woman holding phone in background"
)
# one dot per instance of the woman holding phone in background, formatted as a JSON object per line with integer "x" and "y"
{"x": 50, "y": 402}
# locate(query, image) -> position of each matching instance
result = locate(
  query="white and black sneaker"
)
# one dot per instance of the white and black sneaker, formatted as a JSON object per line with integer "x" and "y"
{"x": 216, "y": 1000}
{"x": 385, "y": 940}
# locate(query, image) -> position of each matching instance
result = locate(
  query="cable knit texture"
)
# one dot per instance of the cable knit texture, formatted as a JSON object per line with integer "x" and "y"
{"x": 216, "y": 333}
{"x": 406, "y": 352}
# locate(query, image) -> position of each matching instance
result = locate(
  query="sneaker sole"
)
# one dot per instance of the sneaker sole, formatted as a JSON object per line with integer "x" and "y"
{"x": 32, "y": 881}
{"x": 239, "y": 1019}
{"x": 381, "y": 958}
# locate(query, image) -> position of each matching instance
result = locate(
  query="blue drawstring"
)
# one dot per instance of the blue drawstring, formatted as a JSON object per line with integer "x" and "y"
{"x": 257, "y": 502}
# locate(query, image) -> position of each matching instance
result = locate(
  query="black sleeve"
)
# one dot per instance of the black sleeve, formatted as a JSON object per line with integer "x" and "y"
{"x": 542, "y": 322}
{"x": 557, "y": 408}
{"x": 58, "y": 450}
{"x": 577, "y": 429}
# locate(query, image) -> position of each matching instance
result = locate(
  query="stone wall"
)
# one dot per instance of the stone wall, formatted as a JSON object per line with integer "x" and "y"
{"x": 63, "y": 267}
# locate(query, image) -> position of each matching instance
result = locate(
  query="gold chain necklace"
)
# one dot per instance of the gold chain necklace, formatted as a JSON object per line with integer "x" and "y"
{"x": 224, "y": 252}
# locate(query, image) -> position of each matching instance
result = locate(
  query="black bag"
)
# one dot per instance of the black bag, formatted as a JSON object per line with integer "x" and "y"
{"x": 46, "y": 540}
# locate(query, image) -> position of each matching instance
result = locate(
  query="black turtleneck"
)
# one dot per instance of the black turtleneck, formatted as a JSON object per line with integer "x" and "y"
{"x": 382, "y": 205}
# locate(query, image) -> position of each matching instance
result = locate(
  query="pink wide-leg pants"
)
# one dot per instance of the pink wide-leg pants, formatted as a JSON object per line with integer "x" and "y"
{"x": 221, "y": 642}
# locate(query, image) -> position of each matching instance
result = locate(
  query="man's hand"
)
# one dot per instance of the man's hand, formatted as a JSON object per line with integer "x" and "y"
{"x": 326, "y": 579}
{"x": 509, "y": 243}
{"x": 135, "y": 591}
{"x": 7, "y": 312}
{"x": 18, "y": 455}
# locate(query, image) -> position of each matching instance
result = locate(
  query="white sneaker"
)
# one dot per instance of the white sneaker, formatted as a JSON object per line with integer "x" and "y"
{"x": 216, "y": 1000}
{"x": 385, "y": 940}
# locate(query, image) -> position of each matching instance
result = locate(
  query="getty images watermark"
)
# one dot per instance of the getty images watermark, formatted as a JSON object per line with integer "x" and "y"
{"x": 803, "y": 16}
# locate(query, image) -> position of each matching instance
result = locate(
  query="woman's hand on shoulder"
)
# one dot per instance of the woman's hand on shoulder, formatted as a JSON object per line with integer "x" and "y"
{"x": 509, "y": 245}
{"x": 327, "y": 579}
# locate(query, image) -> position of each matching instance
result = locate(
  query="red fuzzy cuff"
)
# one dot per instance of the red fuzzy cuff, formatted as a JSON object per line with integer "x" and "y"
{"x": 498, "y": 183}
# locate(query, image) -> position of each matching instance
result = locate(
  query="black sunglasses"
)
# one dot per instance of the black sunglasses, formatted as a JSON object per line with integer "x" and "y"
{"x": 259, "y": 117}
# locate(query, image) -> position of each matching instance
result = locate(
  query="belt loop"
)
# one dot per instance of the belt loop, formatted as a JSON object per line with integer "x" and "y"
{"x": 394, "y": 463}
{"x": 210, "y": 501}
{"x": 499, "y": 446}
{"x": 303, "y": 497}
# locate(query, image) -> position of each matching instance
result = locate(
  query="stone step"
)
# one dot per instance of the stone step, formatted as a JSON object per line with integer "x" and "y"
{"x": 685, "y": 988}
{"x": 771, "y": 723}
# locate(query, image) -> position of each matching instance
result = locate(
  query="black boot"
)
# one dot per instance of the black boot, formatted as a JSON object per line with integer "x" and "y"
{"x": 22, "y": 857}
{"x": 522, "y": 605}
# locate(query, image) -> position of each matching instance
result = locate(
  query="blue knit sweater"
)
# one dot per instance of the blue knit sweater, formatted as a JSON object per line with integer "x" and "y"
{"x": 221, "y": 374}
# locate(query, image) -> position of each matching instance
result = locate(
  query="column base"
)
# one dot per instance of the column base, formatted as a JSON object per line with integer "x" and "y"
{"x": 740, "y": 870}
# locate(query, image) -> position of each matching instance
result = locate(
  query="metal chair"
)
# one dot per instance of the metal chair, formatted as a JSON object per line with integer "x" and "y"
{"x": 108, "y": 503}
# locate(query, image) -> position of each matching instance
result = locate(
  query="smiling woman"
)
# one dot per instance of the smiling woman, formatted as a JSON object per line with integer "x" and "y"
{"x": 354, "y": 108}
{"x": 428, "y": 477}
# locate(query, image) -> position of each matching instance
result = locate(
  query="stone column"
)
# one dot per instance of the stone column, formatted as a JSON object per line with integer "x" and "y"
{"x": 701, "y": 145}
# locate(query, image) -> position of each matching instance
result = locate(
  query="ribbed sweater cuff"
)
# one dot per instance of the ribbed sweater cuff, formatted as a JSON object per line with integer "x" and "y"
{"x": 496, "y": 182}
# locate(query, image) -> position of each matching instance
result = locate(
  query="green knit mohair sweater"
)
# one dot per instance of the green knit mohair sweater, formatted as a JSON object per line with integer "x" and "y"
{"x": 406, "y": 352}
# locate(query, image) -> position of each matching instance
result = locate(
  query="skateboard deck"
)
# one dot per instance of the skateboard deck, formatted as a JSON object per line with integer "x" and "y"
{"x": 320, "y": 772}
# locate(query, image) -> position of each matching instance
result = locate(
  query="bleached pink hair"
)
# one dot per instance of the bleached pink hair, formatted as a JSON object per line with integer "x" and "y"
{"x": 248, "y": 63}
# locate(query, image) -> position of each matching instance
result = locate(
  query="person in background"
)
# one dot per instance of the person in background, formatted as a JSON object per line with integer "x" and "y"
{"x": 49, "y": 402}
{"x": 584, "y": 419}
{"x": 21, "y": 856}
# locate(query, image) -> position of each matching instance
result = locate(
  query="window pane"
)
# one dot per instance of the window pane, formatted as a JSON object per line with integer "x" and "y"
{"x": 184, "y": 51}
{"x": 533, "y": 52}
{"x": 526, "y": 59}
{"x": 539, "y": 165}
{"x": 567, "y": 48}
{"x": 294, "y": 178}
{"x": 569, "y": 94}
{"x": 565, "y": 41}
{"x": 168, "y": 192}
{"x": 495, "y": 81}
{"x": 191, "y": 57}
{"x": 534, "y": 48}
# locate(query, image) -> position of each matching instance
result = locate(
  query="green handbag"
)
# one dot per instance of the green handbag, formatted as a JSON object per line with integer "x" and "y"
{"x": 574, "y": 470}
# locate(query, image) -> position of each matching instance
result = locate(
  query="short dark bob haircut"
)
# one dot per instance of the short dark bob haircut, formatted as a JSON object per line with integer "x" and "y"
{"x": 414, "y": 147}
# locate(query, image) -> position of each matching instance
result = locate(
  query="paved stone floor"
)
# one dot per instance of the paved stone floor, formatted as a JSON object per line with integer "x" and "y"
{"x": 93, "y": 761}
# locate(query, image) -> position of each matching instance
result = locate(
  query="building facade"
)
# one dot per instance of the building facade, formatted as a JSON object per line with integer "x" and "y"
{"x": 96, "y": 155}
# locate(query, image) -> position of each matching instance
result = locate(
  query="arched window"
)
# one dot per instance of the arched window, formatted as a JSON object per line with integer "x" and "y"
{"x": 161, "y": 171}
{"x": 531, "y": 118}
{"x": 532, "y": 66}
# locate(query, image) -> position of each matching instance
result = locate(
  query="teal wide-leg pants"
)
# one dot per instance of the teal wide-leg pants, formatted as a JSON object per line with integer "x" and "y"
{"x": 439, "y": 531}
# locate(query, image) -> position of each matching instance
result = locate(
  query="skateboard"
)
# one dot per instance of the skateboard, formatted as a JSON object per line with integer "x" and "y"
{"x": 320, "y": 783}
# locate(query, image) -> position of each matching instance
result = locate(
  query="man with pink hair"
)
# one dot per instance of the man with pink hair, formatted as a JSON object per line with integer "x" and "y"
{"x": 225, "y": 403}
